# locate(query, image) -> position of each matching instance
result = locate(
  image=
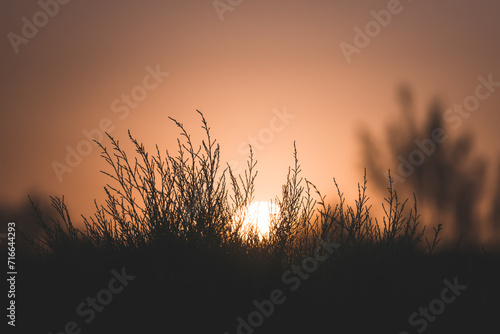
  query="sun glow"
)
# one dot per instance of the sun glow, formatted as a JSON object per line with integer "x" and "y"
{"x": 259, "y": 214}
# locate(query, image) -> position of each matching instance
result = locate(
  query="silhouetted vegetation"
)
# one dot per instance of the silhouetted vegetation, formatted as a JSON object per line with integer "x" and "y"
{"x": 175, "y": 224}
{"x": 439, "y": 166}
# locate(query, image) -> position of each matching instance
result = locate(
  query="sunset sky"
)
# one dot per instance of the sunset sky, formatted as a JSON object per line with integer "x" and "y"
{"x": 274, "y": 70}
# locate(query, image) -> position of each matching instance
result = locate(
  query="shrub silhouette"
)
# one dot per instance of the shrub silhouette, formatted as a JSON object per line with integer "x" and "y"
{"x": 173, "y": 222}
{"x": 184, "y": 199}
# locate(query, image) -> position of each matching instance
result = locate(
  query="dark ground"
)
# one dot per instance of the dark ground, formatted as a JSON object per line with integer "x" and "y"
{"x": 191, "y": 291}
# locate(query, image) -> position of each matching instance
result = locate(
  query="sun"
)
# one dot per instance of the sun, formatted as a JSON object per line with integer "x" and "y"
{"x": 259, "y": 214}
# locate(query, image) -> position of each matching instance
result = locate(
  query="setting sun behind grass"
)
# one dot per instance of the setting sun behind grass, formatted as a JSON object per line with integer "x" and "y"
{"x": 259, "y": 214}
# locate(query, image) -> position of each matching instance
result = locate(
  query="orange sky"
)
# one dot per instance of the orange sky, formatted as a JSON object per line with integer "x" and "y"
{"x": 263, "y": 58}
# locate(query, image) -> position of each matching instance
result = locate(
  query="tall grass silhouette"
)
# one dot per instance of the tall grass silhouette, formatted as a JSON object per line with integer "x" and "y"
{"x": 176, "y": 223}
{"x": 158, "y": 200}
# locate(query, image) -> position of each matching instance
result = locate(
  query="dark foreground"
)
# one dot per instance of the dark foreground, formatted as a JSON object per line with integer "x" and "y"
{"x": 335, "y": 290}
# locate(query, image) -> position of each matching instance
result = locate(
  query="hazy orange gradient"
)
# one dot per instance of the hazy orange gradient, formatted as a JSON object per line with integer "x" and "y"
{"x": 262, "y": 58}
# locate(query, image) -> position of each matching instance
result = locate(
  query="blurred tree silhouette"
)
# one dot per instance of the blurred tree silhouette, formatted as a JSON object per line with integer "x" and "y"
{"x": 445, "y": 174}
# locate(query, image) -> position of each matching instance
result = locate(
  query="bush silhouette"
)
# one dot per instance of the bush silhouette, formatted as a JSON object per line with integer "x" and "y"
{"x": 175, "y": 225}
